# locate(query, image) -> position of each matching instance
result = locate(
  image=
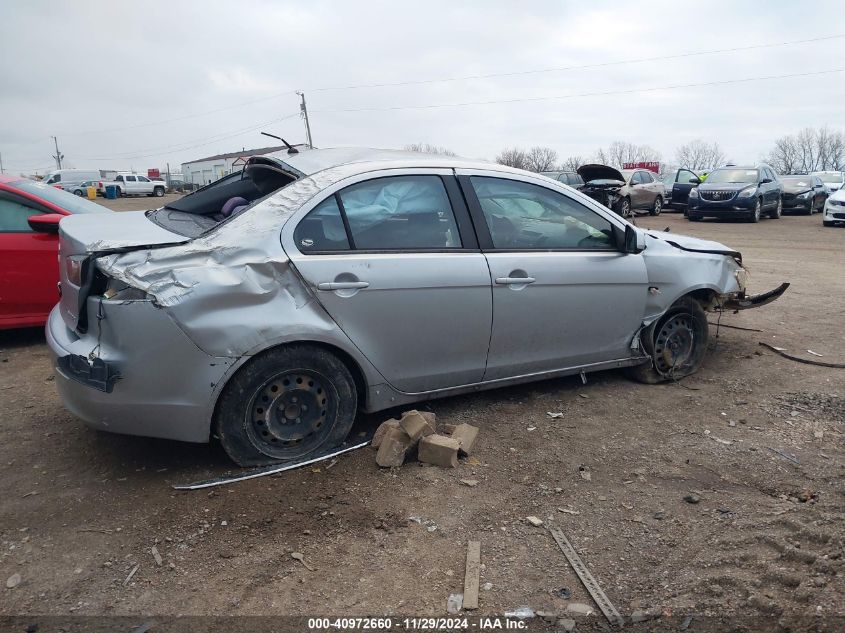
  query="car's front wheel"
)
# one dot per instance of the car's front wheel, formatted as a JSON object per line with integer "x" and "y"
{"x": 755, "y": 214}
{"x": 625, "y": 208}
{"x": 658, "y": 206}
{"x": 676, "y": 343}
{"x": 285, "y": 404}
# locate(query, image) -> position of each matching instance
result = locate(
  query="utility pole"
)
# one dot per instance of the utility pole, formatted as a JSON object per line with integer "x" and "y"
{"x": 2, "y": 171}
{"x": 304, "y": 111}
{"x": 59, "y": 156}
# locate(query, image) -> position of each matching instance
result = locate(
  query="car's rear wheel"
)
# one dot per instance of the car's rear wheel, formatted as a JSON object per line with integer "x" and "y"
{"x": 755, "y": 214}
{"x": 658, "y": 206}
{"x": 676, "y": 343}
{"x": 158, "y": 192}
{"x": 777, "y": 211}
{"x": 284, "y": 405}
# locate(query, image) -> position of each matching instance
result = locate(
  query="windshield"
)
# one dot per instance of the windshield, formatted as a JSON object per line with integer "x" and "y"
{"x": 733, "y": 176}
{"x": 833, "y": 177}
{"x": 626, "y": 173}
{"x": 63, "y": 199}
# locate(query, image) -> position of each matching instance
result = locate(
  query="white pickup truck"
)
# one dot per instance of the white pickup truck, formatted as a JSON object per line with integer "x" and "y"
{"x": 129, "y": 184}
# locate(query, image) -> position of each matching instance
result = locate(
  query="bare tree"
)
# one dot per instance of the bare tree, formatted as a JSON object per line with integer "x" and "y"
{"x": 513, "y": 157}
{"x": 620, "y": 152}
{"x": 698, "y": 154}
{"x": 427, "y": 148}
{"x": 572, "y": 163}
{"x": 809, "y": 150}
{"x": 540, "y": 159}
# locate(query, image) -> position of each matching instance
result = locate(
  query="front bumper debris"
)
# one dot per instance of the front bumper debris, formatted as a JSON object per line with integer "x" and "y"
{"x": 97, "y": 374}
{"x": 745, "y": 302}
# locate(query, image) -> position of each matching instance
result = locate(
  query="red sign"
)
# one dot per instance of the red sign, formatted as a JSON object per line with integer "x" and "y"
{"x": 655, "y": 167}
{"x": 153, "y": 173}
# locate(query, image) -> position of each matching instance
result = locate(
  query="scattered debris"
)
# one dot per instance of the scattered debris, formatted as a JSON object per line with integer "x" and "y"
{"x": 271, "y": 470}
{"x": 143, "y": 628}
{"x": 393, "y": 448}
{"x": 131, "y": 573}
{"x": 692, "y": 498}
{"x": 535, "y": 521}
{"x": 686, "y": 622}
{"x": 791, "y": 458}
{"x": 301, "y": 558}
{"x": 585, "y": 474}
{"x": 455, "y": 603}
{"x": 466, "y": 435}
{"x": 809, "y": 351}
{"x": 471, "y": 575}
{"x": 587, "y": 579}
{"x": 550, "y": 617}
{"x": 554, "y": 414}
{"x": 568, "y": 511}
{"x": 641, "y": 615}
{"x": 579, "y": 608}
{"x": 439, "y": 450}
{"x": 780, "y": 352}
{"x": 382, "y": 430}
{"x": 415, "y": 425}
{"x": 487, "y": 586}
{"x": 472, "y": 483}
{"x": 520, "y": 613}
{"x": 13, "y": 581}
{"x": 567, "y": 624}
{"x": 156, "y": 555}
{"x": 563, "y": 592}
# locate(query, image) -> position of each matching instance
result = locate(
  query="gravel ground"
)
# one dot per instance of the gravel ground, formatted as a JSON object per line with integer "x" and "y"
{"x": 755, "y": 438}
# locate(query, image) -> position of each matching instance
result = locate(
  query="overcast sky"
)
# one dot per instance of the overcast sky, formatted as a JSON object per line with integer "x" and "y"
{"x": 135, "y": 85}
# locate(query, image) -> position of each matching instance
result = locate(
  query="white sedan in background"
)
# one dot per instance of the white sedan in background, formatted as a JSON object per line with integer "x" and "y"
{"x": 834, "y": 208}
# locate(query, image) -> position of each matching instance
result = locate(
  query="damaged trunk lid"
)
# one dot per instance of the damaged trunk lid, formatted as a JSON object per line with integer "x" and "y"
{"x": 83, "y": 238}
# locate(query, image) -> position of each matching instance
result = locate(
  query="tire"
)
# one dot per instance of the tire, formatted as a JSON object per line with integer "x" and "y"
{"x": 692, "y": 217}
{"x": 158, "y": 192}
{"x": 676, "y": 343}
{"x": 285, "y": 404}
{"x": 777, "y": 212}
{"x": 625, "y": 208}
{"x": 77, "y": 192}
{"x": 828, "y": 223}
{"x": 755, "y": 214}
{"x": 658, "y": 206}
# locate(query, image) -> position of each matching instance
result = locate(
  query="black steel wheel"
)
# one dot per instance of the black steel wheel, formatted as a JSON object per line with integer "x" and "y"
{"x": 676, "y": 343}
{"x": 284, "y": 405}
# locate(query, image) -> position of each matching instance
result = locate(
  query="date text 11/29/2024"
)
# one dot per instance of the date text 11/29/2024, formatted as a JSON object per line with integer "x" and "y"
{"x": 416, "y": 624}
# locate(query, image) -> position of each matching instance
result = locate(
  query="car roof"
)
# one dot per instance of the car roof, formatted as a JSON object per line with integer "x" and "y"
{"x": 4, "y": 179}
{"x": 311, "y": 161}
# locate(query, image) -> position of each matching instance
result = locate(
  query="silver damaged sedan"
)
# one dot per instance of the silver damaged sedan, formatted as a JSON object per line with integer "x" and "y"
{"x": 266, "y": 308}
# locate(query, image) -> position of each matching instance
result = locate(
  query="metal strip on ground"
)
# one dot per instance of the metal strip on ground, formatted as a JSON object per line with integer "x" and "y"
{"x": 613, "y": 616}
{"x": 268, "y": 470}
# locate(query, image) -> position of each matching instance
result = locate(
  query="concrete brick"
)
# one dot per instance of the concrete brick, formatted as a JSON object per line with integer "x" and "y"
{"x": 447, "y": 429}
{"x": 465, "y": 434}
{"x": 439, "y": 450}
{"x": 391, "y": 451}
{"x": 415, "y": 425}
{"x": 430, "y": 417}
{"x": 382, "y": 430}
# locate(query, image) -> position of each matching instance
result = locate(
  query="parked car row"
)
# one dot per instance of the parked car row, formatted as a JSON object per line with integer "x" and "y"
{"x": 749, "y": 192}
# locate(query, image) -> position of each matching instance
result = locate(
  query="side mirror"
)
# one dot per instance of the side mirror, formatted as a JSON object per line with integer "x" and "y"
{"x": 629, "y": 241}
{"x": 45, "y": 223}
{"x": 765, "y": 181}
{"x": 695, "y": 181}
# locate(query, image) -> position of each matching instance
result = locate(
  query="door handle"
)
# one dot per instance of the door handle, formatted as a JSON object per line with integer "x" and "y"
{"x": 514, "y": 281}
{"x": 343, "y": 285}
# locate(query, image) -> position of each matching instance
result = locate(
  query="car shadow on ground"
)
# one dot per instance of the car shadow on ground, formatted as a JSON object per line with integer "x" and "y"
{"x": 21, "y": 337}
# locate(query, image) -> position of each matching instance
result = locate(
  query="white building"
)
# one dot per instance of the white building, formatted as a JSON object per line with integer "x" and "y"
{"x": 205, "y": 170}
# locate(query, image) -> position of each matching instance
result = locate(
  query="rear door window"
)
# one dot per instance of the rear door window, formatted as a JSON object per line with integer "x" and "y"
{"x": 391, "y": 213}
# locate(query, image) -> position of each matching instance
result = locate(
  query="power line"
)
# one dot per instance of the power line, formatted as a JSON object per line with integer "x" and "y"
{"x": 186, "y": 145}
{"x": 581, "y": 66}
{"x": 465, "y": 78}
{"x": 581, "y": 94}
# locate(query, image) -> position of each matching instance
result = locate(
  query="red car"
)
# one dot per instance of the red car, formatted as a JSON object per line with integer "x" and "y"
{"x": 29, "y": 259}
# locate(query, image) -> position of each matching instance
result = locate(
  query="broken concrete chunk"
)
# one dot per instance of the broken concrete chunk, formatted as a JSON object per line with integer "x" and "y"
{"x": 392, "y": 449}
{"x": 382, "y": 430}
{"x": 465, "y": 434}
{"x": 13, "y": 581}
{"x": 567, "y": 624}
{"x": 535, "y": 521}
{"x": 579, "y": 608}
{"x": 439, "y": 450}
{"x": 415, "y": 425}
{"x": 430, "y": 417}
{"x": 455, "y": 603}
{"x": 447, "y": 429}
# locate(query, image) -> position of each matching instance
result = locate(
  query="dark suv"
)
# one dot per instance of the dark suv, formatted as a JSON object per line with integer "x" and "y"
{"x": 737, "y": 192}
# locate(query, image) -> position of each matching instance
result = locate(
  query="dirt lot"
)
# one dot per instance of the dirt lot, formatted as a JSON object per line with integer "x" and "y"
{"x": 758, "y": 438}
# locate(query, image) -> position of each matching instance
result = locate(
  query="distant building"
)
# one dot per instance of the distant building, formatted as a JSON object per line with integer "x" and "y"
{"x": 205, "y": 170}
